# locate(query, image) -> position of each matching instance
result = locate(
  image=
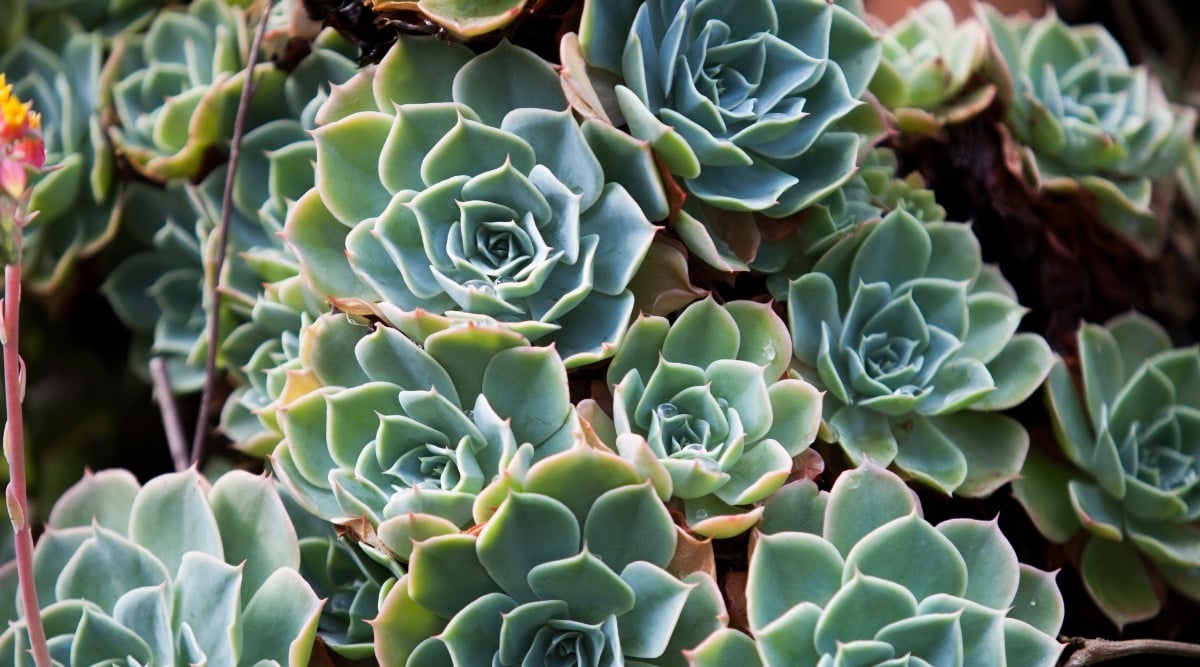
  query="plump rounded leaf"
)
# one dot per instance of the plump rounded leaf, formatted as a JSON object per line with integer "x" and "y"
{"x": 105, "y": 497}
{"x": 862, "y": 500}
{"x": 888, "y": 552}
{"x": 864, "y": 606}
{"x": 769, "y": 596}
{"x": 630, "y": 524}
{"x": 280, "y": 621}
{"x": 165, "y": 504}
{"x": 1125, "y": 599}
{"x": 993, "y": 572}
{"x": 529, "y": 529}
{"x": 255, "y": 528}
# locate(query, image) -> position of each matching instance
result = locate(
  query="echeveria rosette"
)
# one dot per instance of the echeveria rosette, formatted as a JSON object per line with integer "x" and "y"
{"x": 875, "y": 190}
{"x": 173, "y": 572}
{"x": 174, "y": 96}
{"x": 351, "y": 577}
{"x": 1089, "y": 120}
{"x": 741, "y": 101}
{"x": 715, "y": 425}
{"x": 159, "y": 292}
{"x": 572, "y": 565}
{"x": 75, "y": 199}
{"x": 912, "y": 340}
{"x": 462, "y": 184}
{"x": 1130, "y": 484}
{"x": 377, "y": 426}
{"x": 178, "y": 87}
{"x": 928, "y": 61}
{"x": 856, "y": 576}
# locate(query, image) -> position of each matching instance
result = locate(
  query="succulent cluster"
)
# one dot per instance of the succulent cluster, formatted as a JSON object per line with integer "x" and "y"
{"x": 1130, "y": 483}
{"x": 572, "y": 565}
{"x": 856, "y": 576}
{"x": 616, "y": 346}
{"x": 176, "y": 571}
{"x": 159, "y": 292}
{"x": 739, "y": 101}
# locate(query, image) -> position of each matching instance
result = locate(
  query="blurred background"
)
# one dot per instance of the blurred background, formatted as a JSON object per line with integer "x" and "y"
{"x": 1160, "y": 33}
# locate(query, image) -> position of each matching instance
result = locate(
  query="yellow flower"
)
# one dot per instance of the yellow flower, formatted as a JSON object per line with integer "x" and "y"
{"x": 20, "y": 140}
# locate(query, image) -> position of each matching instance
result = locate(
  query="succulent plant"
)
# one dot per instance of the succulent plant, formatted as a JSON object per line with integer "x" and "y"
{"x": 571, "y": 565}
{"x": 159, "y": 292}
{"x": 716, "y": 427}
{"x": 875, "y": 190}
{"x": 1130, "y": 484}
{"x": 173, "y": 572}
{"x": 462, "y": 184}
{"x": 1090, "y": 120}
{"x": 179, "y": 86}
{"x": 75, "y": 199}
{"x": 350, "y": 576}
{"x": 378, "y": 426}
{"x": 740, "y": 101}
{"x": 916, "y": 355}
{"x": 856, "y": 576}
{"x": 924, "y": 76}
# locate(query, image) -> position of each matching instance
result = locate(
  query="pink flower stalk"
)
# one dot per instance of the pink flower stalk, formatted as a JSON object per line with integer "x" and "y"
{"x": 21, "y": 149}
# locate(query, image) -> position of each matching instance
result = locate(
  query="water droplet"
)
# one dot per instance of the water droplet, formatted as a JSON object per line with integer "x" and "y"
{"x": 666, "y": 410}
{"x": 768, "y": 351}
{"x": 1033, "y": 603}
{"x": 469, "y": 413}
{"x": 701, "y": 515}
{"x": 481, "y": 286}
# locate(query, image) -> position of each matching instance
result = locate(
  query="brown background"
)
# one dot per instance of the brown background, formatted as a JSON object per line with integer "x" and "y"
{"x": 891, "y": 10}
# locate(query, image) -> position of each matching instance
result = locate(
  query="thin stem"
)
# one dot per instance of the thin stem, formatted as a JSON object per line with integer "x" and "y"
{"x": 214, "y": 282}
{"x": 170, "y": 414}
{"x": 1095, "y": 651}
{"x": 14, "y": 451}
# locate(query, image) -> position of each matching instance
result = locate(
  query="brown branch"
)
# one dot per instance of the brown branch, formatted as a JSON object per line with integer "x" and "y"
{"x": 170, "y": 414}
{"x": 214, "y": 283}
{"x": 1096, "y": 651}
